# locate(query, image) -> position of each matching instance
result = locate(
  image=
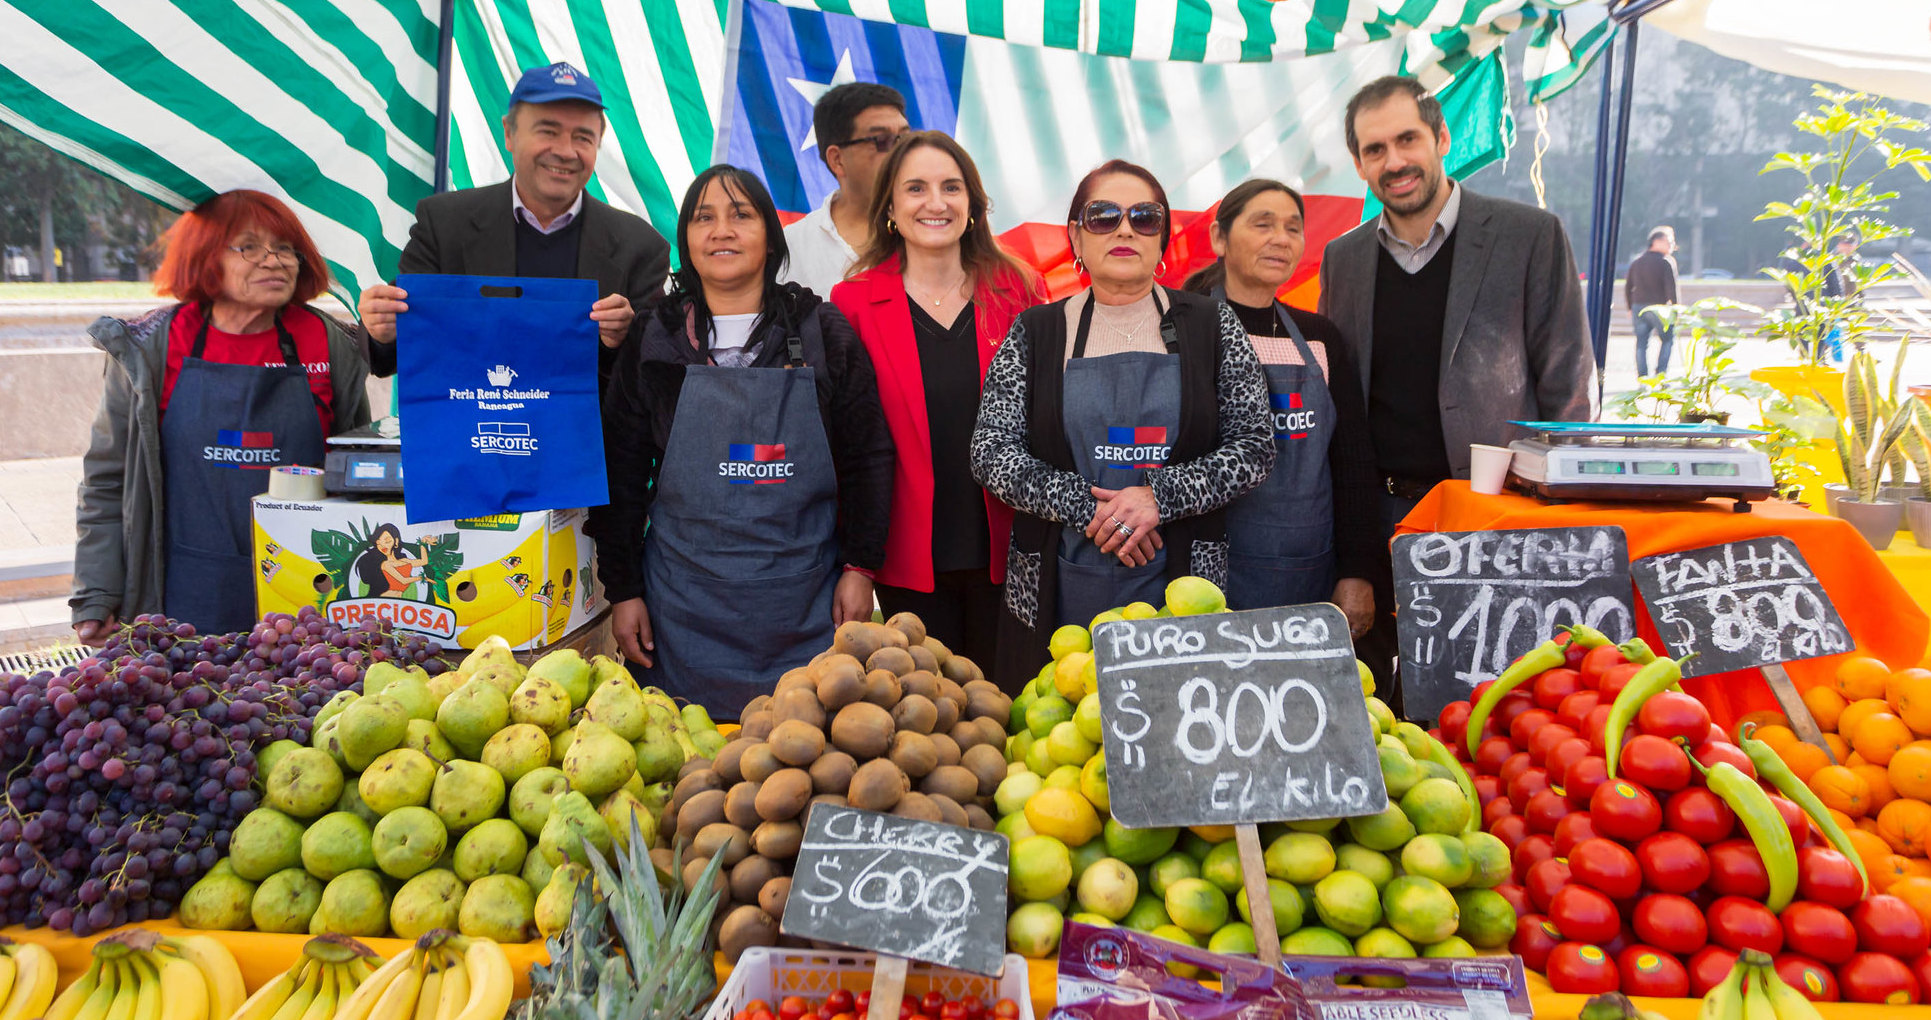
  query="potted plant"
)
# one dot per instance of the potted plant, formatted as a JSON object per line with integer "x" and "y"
{"x": 1916, "y": 442}
{"x": 1694, "y": 394}
{"x": 1867, "y": 441}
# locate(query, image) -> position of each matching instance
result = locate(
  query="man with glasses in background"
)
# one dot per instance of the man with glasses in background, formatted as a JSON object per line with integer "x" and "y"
{"x": 855, "y": 126}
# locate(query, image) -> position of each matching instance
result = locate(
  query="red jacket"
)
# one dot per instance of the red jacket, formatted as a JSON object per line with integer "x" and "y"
{"x": 874, "y": 302}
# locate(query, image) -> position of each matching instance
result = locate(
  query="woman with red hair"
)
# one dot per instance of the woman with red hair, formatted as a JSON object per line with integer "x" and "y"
{"x": 202, "y": 398}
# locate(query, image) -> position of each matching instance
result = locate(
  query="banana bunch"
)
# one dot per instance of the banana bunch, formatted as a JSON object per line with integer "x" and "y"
{"x": 140, "y": 975}
{"x": 27, "y": 974}
{"x": 332, "y": 969}
{"x": 1753, "y": 991}
{"x": 444, "y": 976}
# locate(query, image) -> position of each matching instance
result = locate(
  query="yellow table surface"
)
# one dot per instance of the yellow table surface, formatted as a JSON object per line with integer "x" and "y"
{"x": 1910, "y": 563}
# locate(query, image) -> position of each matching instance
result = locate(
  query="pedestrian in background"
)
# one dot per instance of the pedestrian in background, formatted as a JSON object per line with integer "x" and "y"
{"x": 1651, "y": 281}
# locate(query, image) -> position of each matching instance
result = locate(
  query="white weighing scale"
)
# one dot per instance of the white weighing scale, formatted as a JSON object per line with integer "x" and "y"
{"x": 366, "y": 461}
{"x": 1640, "y": 462}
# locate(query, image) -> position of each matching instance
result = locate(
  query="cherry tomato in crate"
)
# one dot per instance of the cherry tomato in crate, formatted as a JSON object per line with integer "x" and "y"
{"x": 791, "y": 1007}
{"x": 953, "y": 1011}
{"x": 1670, "y": 715}
{"x": 1490, "y": 755}
{"x": 1528, "y": 783}
{"x": 931, "y": 1003}
{"x": 843, "y": 1001}
{"x": 1572, "y": 829}
{"x": 1811, "y": 978}
{"x": 1670, "y": 922}
{"x": 1598, "y": 661}
{"x": 1576, "y": 968}
{"x": 1736, "y": 869}
{"x": 1607, "y": 867}
{"x": 1529, "y": 852}
{"x": 1654, "y": 763}
{"x": 1875, "y": 977}
{"x": 1708, "y": 967}
{"x": 1625, "y": 811}
{"x": 1614, "y": 679}
{"x": 1534, "y": 939}
{"x": 1583, "y": 914}
{"x": 1553, "y": 685}
{"x": 1740, "y": 924}
{"x": 1546, "y": 809}
{"x": 1672, "y": 862}
{"x": 1647, "y": 970}
{"x": 975, "y": 1007}
{"x": 1700, "y": 815}
{"x": 1818, "y": 931}
{"x": 1544, "y": 879}
{"x": 1574, "y": 711}
{"x": 1526, "y": 723}
{"x": 1582, "y": 779}
{"x": 1005, "y": 1009}
{"x": 1828, "y": 877}
{"x": 1547, "y": 739}
{"x": 1887, "y": 924}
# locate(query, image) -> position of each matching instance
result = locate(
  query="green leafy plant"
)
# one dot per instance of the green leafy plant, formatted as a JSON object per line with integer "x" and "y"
{"x": 1874, "y": 423}
{"x": 1694, "y": 394}
{"x": 1789, "y": 424}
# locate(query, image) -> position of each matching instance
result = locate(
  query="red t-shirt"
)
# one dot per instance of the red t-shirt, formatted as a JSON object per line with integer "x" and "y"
{"x": 311, "y": 345}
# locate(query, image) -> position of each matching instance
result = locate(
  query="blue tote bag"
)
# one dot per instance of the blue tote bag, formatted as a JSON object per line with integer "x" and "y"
{"x": 497, "y": 385}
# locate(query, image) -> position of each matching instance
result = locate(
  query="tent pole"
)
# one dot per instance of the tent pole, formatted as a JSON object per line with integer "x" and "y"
{"x": 1612, "y": 220}
{"x": 445, "y": 38}
{"x": 1599, "y": 340}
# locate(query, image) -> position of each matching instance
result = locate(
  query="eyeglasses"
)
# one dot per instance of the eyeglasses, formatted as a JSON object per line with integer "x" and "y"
{"x": 1103, "y": 217}
{"x": 260, "y": 254}
{"x": 880, "y": 142}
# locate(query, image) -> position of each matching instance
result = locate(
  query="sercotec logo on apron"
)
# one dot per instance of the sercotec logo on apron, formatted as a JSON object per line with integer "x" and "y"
{"x": 235, "y": 449}
{"x": 510, "y": 438}
{"x": 1133, "y": 446}
{"x": 755, "y": 464}
{"x": 1291, "y": 421}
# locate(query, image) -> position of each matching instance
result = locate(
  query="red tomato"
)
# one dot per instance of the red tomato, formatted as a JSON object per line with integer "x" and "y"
{"x": 1532, "y": 850}
{"x": 1828, "y": 877}
{"x": 1578, "y": 969}
{"x": 1712, "y": 751}
{"x": 1508, "y": 708}
{"x": 1526, "y": 784}
{"x": 1708, "y": 967}
{"x": 1736, "y": 869}
{"x": 1496, "y": 810}
{"x": 791, "y": 1007}
{"x": 862, "y": 1001}
{"x": 1920, "y": 969}
{"x": 1005, "y": 1009}
{"x": 1655, "y": 763}
{"x": 953, "y": 1011}
{"x": 1518, "y": 763}
{"x": 1453, "y": 722}
{"x": 1597, "y": 661}
{"x": 1625, "y": 811}
{"x": 1511, "y": 829}
{"x": 1596, "y": 723}
{"x": 763, "y": 1014}
{"x": 1572, "y": 829}
{"x": 974, "y": 1006}
{"x": 1811, "y": 979}
{"x": 1605, "y": 866}
{"x": 1887, "y": 924}
{"x": 1545, "y": 878}
{"x": 1545, "y": 740}
{"x": 932, "y": 1003}
{"x": 1875, "y": 977}
{"x": 1740, "y": 924}
{"x": 757, "y": 1006}
{"x": 1614, "y": 679}
{"x": 1583, "y": 777}
{"x": 1670, "y": 922}
{"x": 1554, "y": 685}
{"x": 1670, "y": 715}
{"x": 1794, "y": 819}
{"x": 1819, "y": 931}
{"x": 1546, "y": 809}
{"x": 1487, "y": 788}
{"x": 1572, "y": 653}
{"x": 1574, "y": 710}
{"x": 1582, "y": 913}
{"x": 1517, "y": 896}
{"x": 1491, "y": 753}
{"x": 1646, "y": 970}
{"x": 843, "y": 1001}
{"x": 1700, "y": 815}
{"x": 1526, "y": 723}
{"x": 1534, "y": 939}
{"x": 1673, "y": 862}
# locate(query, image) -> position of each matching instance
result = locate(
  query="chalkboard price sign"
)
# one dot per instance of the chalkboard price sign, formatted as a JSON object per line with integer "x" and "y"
{"x": 900, "y": 886}
{"x": 1468, "y": 603}
{"x": 1740, "y": 605}
{"x": 1235, "y": 718}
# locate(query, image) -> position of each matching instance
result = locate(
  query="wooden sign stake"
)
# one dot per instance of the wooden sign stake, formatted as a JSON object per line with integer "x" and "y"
{"x": 1260, "y": 904}
{"x": 888, "y": 986}
{"x": 1794, "y": 708}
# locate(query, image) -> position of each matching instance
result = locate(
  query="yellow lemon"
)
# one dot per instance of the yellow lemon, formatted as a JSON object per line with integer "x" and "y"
{"x": 1092, "y": 783}
{"x": 1064, "y": 815}
{"x": 1069, "y": 639}
{"x": 1067, "y": 679}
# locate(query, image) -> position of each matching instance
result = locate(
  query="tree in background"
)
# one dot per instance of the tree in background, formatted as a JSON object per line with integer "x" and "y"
{"x": 48, "y": 201}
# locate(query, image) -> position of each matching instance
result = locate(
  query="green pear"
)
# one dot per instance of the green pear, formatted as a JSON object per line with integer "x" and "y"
{"x": 351, "y": 802}
{"x": 423, "y": 736}
{"x": 305, "y": 783}
{"x": 533, "y": 796}
{"x": 494, "y": 847}
{"x": 355, "y": 903}
{"x": 412, "y": 693}
{"x": 618, "y": 810}
{"x": 599, "y": 761}
{"x": 560, "y": 745}
{"x": 338, "y": 843}
{"x": 537, "y": 870}
{"x": 325, "y": 738}
{"x": 655, "y": 797}
{"x": 285, "y": 901}
{"x": 541, "y": 702}
{"x": 267, "y": 758}
{"x": 466, "y": 792}
{"x": 553, "y": 904}
{"x": 493, "y": 649}
{"x": 379, "y": 676}
{"x": 499, "y": 907}
{"x": 370, "y": 727}
{"x": 517, "y": 750}
{"x": 408, "y": 841}
{"x": 334, "y": 706}
{"x": 566, "y": 668}
{"x": 472, "y": 715}
{"x": 504, "y": 676}
{"x": 696, "y": 719}
{"x": 265, "y": 842}
{"x": 220, "y": 902}
{"x": 573, "y": 822}
{"x": 443, "y": 684}
{"x": 604, "y": 669}
{"x": 620, "y": 707}
{"x": 635, "y": 786}
{"x": 658, "y": 756}
{"x": 398, "y": 779}
{"x": 426, "y": 902}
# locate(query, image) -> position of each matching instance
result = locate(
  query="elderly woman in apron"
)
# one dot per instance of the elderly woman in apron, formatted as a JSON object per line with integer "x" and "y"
{"x": 1118, "y": 423}
{"x": 750, "y": 464}
{"x": 1310, "y": 532}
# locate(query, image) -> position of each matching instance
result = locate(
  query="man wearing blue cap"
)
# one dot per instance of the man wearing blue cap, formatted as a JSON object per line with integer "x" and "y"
{"x": 538, "y": 223}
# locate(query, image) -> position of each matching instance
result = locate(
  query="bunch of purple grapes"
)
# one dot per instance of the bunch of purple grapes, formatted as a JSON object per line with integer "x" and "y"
{"x": 126, "y": 773}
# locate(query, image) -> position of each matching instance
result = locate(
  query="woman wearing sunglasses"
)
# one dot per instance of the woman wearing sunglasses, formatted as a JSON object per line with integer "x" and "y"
{"x": 932, "y": 296}
{"x": 1118, "y": 423}
{"x": 1315, "y": 518}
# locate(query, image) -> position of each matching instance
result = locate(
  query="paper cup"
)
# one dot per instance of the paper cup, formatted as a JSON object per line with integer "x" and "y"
{"x": 1488, "y": 468}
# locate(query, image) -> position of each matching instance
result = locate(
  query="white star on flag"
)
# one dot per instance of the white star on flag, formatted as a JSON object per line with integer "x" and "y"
{"x": 814, "y": 91}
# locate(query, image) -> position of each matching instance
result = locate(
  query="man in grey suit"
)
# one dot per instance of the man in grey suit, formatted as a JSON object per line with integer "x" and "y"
{"x": 1463, "y": 311}
{"x": 539, "y": 223}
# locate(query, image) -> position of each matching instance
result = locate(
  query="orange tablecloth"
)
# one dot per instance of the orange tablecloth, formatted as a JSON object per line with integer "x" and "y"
{"x": 1882, "y": 617}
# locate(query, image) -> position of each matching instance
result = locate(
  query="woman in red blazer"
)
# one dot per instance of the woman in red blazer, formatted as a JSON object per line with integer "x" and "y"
{"x": 931, "y": 298}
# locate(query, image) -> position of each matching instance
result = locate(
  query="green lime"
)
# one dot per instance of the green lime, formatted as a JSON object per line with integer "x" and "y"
{"x": 1442, "y": 858}
{"x": 1233, "y": 938}
{"x": 1086, "y": 716}
{"x": 1383, "y": 944}
{"x": 1222, "y": 867}
{"x": 1041, "y": 868}
{"x": 1300, "y": 858}
{"x": 1194, "y": 845}
{"x": 1488, "y": 920}
{"x": 1347, "y": 902}
{"x": 1489, "y": 857}
{"x": 1014, "y": 827}
{"x": 1085, "y": 856}
{"x": 1015, "y": 790}
{"x": 1147, "y": 914}
{"x": 1452, "y": 946}
{"x": 1289, "y": 908}
{"x": 1136, "y": 846}
{"x": 1316, "y": 941}
{"x": 1049, "y": 711}
{"x": 1033, "y": 930}
{"x": 1389, "y": 830}
{"x": 1093, "y": 919}
{"x": 1372, "y": 863}
{"x": 1170, "y": 869}
{"x": 1109, "y": 888}
{"x": 1437, "y": 805}
{"x": 1421, "y": 909}
{"x": 1196, "y": 905}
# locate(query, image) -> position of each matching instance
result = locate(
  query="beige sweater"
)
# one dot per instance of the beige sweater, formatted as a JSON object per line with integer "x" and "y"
{"x": 1117, "y": 329}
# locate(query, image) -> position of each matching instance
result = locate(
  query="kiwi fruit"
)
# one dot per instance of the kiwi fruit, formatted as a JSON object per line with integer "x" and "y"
{"x": 692, "y": 785}
{"x": 891, "y": 637}
{"x": 915, "y": 712}
{"x": 898, "y": 660}
{"x": 988, "y": 764}
{"x": 749, "y": 876}
{"x": 966, "y": 734}
{"x": 693, "y": 765}
{"x": 947, "y": 748}
{"x": 777, "y": 840}
{"x": 978, "y": 818}
{"x": 938, "y": 649}
{"x": 909, "y": 625}
{"x": 662, "y": 858}
{"x": 792, "y": 680}
{"x": 878, "y": 786}
{"x": 832, "y": 772}
{"x": 740, "y": 805}
{"x": 796, "y": 742}
{"x": 960, "y": 669}
{"x": 841, "y": 681}
{"x": 914, "y": 753}
{"x": 993, "y": 730}
{"x": 949, "y": 688}
{"x": 920, "y": 682}
{"x": 694, "y": 869}
{"x": 948, "y": 715}
{"x": 922, "y": 658}
{"x": 706, "y": 808}
{"x": 757, "y": 704}
{"x": 726, "y": 762}
{"x": 858, "y": 639}
{"x": 782, "y": 796}
{"x": 834, "y": 799}
{"x": 949, "y": 810}
{"x": 799, "y": 704}
{"x": 919, "y": 806}
{"x": 984, "y": 701}
{"x": 954, "y": 781}
{"x": 758, "y": 762}
{"x": 882, "y": 688}
{"x": 759, "y": 726}
{"x": 862, "y": 730}
{"x": 745, "y": 927}
{"x": 772, "y": 897}
{"x": 722, "y": 839}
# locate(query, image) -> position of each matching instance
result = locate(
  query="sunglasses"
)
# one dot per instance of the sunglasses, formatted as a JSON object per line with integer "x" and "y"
{"x": 880, "y": 142}
{"x": 1103, "y": 217}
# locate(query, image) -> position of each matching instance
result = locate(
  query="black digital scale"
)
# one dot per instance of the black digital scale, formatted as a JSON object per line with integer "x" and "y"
{"x": 366, "y": 461}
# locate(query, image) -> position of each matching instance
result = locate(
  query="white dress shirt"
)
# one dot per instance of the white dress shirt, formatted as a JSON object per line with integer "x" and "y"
{"x": 819, "y": 253}
{"x": 522, "y": 212}
{"x": 1412, "y": 258}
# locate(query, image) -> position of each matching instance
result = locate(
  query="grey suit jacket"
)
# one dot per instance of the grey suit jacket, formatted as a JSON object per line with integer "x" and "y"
{"x": 472, "y": 232}
{"x": 1515, "y": 341}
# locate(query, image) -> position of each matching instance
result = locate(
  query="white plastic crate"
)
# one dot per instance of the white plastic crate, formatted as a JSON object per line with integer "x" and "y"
{"x": 772, "y": 974}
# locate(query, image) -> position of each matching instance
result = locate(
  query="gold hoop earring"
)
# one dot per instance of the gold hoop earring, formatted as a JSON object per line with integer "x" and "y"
{"x": 890, "y": 227}
{"x": 1160, "y": 268}
{"x": 969, "y": 222}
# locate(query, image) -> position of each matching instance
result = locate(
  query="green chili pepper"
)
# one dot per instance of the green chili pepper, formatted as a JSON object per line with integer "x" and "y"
{"x": 1439, "y": 754}
{"x": 1764, "y": 823}
{"x": 1649, "y": 680}
{"x": 1547, "y": 655}
{"x": 1586, "y": 637}
{"x": 1637, "y": 651}
{"x": 1772, "y": 770}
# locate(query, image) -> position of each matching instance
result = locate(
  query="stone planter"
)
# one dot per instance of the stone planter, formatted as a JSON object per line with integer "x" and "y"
{"x": 1878, "y": 522}
{"x": 1917, "y": 513}
{"x": 1834, "y": 491}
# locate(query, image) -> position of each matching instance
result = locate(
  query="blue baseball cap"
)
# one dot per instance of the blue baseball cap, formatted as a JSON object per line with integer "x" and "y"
{"x": 556, "y": 83}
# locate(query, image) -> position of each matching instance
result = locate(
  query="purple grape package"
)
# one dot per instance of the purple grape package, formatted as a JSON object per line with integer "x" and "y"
{"x": 1120, "y": 974}
{"x": 1467, "y": 988}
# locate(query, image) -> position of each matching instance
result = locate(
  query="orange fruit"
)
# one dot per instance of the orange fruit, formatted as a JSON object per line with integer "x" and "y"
{"x": 1842, "y": 790}
{"x": 1881, "y": 736}
{"x": 1878, "y": 779}
{"x": 1861, "y": 676}
{"x": 1804, "y": 759}
{"x": 1760, "y": 719}
{"x": 1825, "y": 705}
{"x": 1910, "y": 773}
{"x": 1855, "y": 713}
{"x": 1870, "y": 825}
{"x": 1777, "y": 737}
{"x": 1890, "y": 870}
{"x": 1906, "y": 826}
{"x": 1843, "y": 820}
{"x": 1852, "y": 759}
{"x": 1918, "y": 867}
{"x": 1910, "y": 699}
{"x": 1870, "y": 847}
{"x": 1840, "y": 749}
{"x": 1915, "y": 891}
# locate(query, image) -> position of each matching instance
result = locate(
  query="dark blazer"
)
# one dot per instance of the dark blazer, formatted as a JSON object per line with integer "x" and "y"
{"x": 472, "y": 232}
{"x": 1515, "y": 341}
